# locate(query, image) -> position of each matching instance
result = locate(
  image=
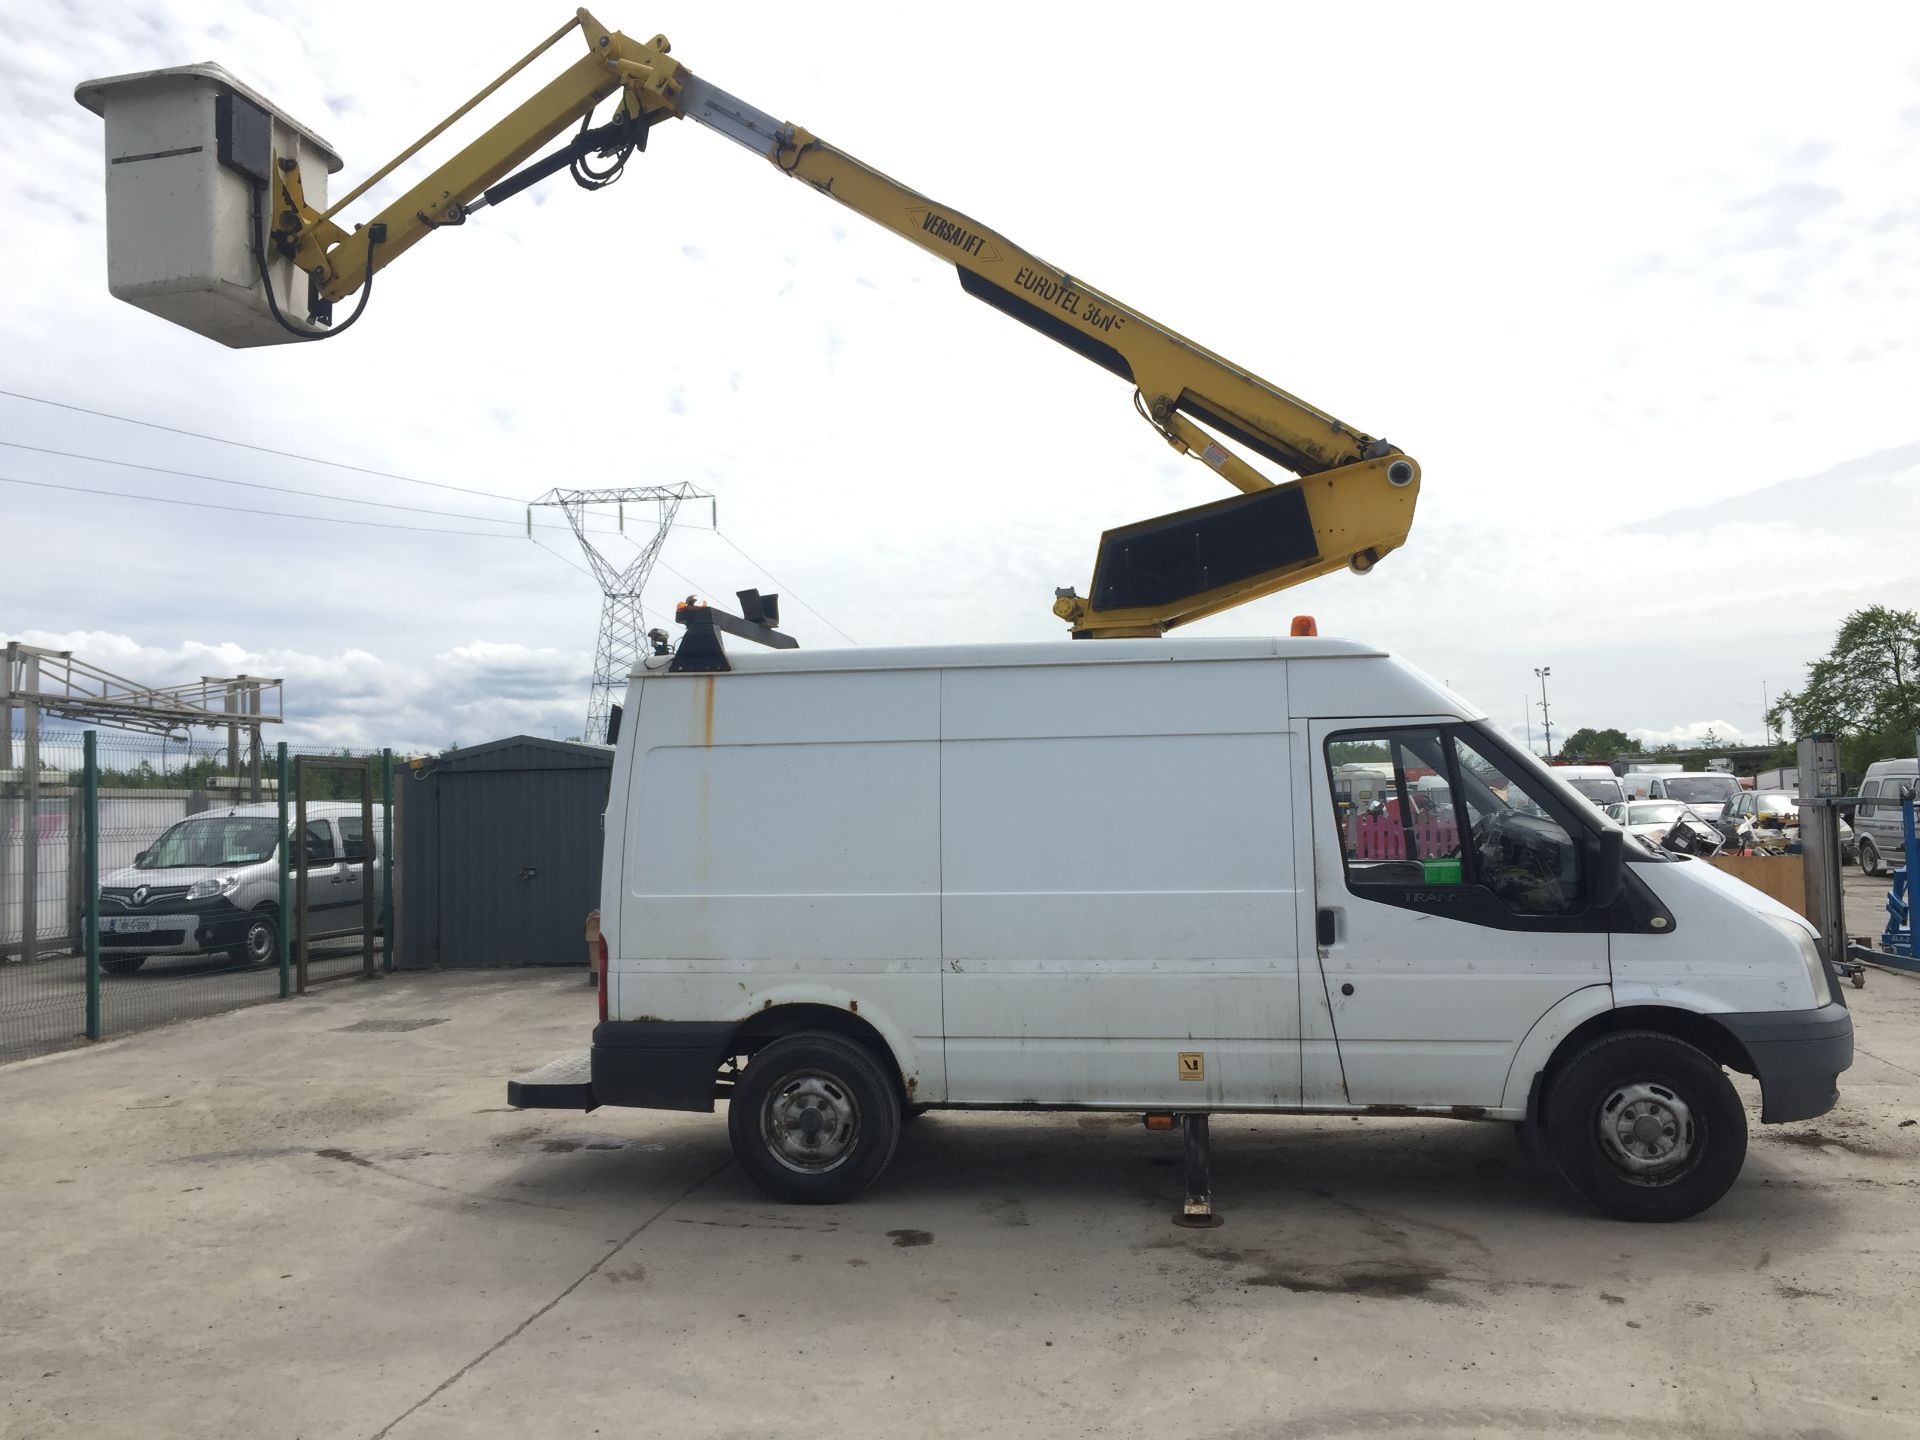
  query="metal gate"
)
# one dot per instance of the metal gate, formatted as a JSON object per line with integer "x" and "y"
{"x": 342, "y": 870}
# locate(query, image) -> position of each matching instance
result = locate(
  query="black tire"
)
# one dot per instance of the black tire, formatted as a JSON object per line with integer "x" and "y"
{"x": 122, "y": 964}
{"x": 261, "y": 944}
{"x": 1869, "y": 857}
{"x": 855, "y": 1126}
{"x": 1691, "y": 1106}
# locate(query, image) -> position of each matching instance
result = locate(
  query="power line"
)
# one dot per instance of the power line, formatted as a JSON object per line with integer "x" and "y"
{"x": 563, "y": 559}
{"x": 245, "y": 510}
{"x": 291, "y": 490}
{"x": 263, "y": 449}
{"x": 327, "y": 519}
{"x": 785, "y": 591}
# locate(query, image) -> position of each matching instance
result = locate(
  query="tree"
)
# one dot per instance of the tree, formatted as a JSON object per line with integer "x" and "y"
{"x": 1866, "y": 690}
{"x": 1353, "y": 752}
{"x": 1596, "y": 747}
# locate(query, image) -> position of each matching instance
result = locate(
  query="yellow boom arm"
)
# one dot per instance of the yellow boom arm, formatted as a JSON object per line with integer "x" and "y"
{"x": 1354, "y": 498}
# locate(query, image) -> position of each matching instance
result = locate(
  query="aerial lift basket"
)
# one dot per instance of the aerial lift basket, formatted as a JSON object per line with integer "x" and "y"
{"x": 190, "y": 157}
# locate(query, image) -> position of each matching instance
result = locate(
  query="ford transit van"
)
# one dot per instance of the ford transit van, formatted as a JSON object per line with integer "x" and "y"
{"x": 844, "y": 886}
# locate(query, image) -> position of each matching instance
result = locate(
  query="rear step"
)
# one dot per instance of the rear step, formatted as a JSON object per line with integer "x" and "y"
{"x": 563, "y": 1084}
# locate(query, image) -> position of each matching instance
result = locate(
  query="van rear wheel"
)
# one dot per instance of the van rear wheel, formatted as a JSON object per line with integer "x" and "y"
{"x": 1646, "y": 1127}
{"x": 1869, "y": 857}
{"x": 814, "y": 1120}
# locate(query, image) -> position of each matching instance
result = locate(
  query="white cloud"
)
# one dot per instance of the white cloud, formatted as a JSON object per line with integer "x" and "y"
{"x": 1698, "y": 732}
{"x": 478, "y": 691}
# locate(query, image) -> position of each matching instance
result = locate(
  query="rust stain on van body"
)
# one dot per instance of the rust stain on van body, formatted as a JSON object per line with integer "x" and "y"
{"x": 706, "y": 716}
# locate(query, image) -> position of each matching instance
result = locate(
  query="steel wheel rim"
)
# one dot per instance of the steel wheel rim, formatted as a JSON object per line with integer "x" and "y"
{"x": 1647, "y": 1132}
{"x": 810, "y": 1122}
{"x": 260, "y": 941}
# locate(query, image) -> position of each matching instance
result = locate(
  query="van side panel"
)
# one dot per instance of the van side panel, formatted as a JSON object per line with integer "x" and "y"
{"x": 1117, "y": 846}
{"x": 783, "y": 847}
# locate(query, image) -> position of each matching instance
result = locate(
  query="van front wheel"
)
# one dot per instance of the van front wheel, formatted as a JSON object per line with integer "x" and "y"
{"x": 814, "y": 1120}
{"x": 1646, "y": 1127}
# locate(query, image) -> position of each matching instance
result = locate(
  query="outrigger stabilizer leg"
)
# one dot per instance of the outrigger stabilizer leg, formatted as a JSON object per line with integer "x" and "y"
{"x": 1196, "y": 1211}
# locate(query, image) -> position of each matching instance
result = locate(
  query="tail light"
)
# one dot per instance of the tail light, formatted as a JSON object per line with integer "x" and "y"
{"x": 602, "y": 944}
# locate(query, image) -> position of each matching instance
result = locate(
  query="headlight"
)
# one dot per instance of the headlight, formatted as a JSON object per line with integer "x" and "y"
{"x": 1809, "y": 956}
{"x": 212, "y": 886}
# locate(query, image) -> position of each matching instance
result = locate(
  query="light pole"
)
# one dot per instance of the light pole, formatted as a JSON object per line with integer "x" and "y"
{"x": 1546, "y": 719}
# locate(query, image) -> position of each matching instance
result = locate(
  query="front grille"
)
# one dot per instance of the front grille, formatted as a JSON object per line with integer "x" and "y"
{"x": 123, "y": 894}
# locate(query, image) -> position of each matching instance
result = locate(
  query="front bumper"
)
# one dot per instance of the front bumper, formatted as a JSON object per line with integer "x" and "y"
{"x": 1797, "y": 1057}
{"x": 182, "y": 932}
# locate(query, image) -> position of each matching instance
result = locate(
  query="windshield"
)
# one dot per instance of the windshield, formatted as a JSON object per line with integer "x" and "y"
{"x": 217, "y": 840}
{"x": 1700, "y": 789}
{"x": 1775, "y": 802}
{"x": 1655, "y": 812}
{"x": 1601, "y": 792}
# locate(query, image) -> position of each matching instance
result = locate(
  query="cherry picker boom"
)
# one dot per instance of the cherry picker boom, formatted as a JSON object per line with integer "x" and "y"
{"x": 277, "y": 243}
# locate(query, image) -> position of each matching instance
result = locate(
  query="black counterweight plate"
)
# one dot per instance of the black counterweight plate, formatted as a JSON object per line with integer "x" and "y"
{"x": 1190, "y": 552}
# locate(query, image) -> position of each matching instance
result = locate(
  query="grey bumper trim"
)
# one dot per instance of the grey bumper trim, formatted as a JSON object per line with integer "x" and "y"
{"x": 1797, "y": 1057}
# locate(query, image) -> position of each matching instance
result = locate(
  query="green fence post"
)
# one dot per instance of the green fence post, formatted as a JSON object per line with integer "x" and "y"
{"x": 386, "y": 861}
{"x": 285, "y": 927}
{"x": 90, "y": 873}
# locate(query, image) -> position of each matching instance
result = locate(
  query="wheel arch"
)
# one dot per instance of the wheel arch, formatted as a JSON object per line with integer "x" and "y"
{"x": 1690, "y": 1027}
{"x": 798, "y": 1017}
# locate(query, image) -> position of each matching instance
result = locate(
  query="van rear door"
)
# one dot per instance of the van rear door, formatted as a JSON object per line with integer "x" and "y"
{"x": 1446, "y": 926}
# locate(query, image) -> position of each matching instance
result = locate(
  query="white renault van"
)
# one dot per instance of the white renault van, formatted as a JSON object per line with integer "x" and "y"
{"x": 211, "y": 884}
{"x": 841, "y": 886}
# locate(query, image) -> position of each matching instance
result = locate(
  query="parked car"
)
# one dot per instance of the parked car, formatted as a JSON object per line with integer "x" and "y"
{"x": 1878, "y": 824}
{"x": 841, "y": 886}
{"x": 1597, "y": 782}
{"x": 211, "y": 883}
{"x": 1648, "y": 819}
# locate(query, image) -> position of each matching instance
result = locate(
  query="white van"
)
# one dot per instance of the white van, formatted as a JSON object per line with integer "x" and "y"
{"x": 1707, "y": 791}
{"x": 211, "y": 884}
{"x": 1882, "y": 842}
{"x": 1597, "y": 782}
{"x": 844, "y": 885}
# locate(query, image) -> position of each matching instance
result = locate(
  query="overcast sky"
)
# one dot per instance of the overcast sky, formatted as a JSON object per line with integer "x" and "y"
{"x": 1636, "y": 288}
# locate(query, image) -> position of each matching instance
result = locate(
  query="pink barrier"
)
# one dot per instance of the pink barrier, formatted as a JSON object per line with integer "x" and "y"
{"x": 1377, "y": 837}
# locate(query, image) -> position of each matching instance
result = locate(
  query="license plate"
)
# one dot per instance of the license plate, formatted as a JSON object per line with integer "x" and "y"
{"x": 127, "y": 927}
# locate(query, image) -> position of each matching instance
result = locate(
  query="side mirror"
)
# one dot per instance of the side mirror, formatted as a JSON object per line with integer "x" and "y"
{"x": 141, "y": 856}
{"x": 1608, "y": 852}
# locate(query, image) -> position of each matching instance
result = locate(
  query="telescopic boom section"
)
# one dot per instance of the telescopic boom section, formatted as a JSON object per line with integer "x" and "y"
{"x": 1354, "y": 497}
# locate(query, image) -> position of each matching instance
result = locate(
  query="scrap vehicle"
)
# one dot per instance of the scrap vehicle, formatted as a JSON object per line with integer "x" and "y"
{"x": 843, "y": 887}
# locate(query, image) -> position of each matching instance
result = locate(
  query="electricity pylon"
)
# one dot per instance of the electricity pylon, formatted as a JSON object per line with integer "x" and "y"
{"x": 623, "y": 624}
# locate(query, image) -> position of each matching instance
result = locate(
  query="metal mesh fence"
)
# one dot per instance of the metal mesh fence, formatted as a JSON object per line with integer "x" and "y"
{"x": 43, "y": 990}
{"x": 192, "y": 881}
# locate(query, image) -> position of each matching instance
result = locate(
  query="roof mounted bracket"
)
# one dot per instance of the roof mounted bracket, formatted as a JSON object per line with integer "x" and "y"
{"x": 701, "y": 652}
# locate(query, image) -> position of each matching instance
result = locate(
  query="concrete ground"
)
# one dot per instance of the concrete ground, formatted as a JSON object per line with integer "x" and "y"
{"x": 309, "y": 1219}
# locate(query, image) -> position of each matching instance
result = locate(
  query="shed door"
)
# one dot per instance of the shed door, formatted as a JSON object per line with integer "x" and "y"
{"x": 519, "y": 862}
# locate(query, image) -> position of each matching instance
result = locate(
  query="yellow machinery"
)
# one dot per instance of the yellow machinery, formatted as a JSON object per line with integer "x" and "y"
{"x": 1352, "y": 503}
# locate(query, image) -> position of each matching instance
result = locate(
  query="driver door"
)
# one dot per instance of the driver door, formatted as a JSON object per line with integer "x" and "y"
{"x": 1439, "y": 952}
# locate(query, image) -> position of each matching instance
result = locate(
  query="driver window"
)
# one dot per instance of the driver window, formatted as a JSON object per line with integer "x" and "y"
{"x": 320, "y": 842}
{"x": 1395, "y": 810}
{"x": 1515, "y": 847}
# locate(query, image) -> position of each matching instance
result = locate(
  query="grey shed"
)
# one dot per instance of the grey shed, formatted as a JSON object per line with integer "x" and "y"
{"x": 500, "y": 854}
